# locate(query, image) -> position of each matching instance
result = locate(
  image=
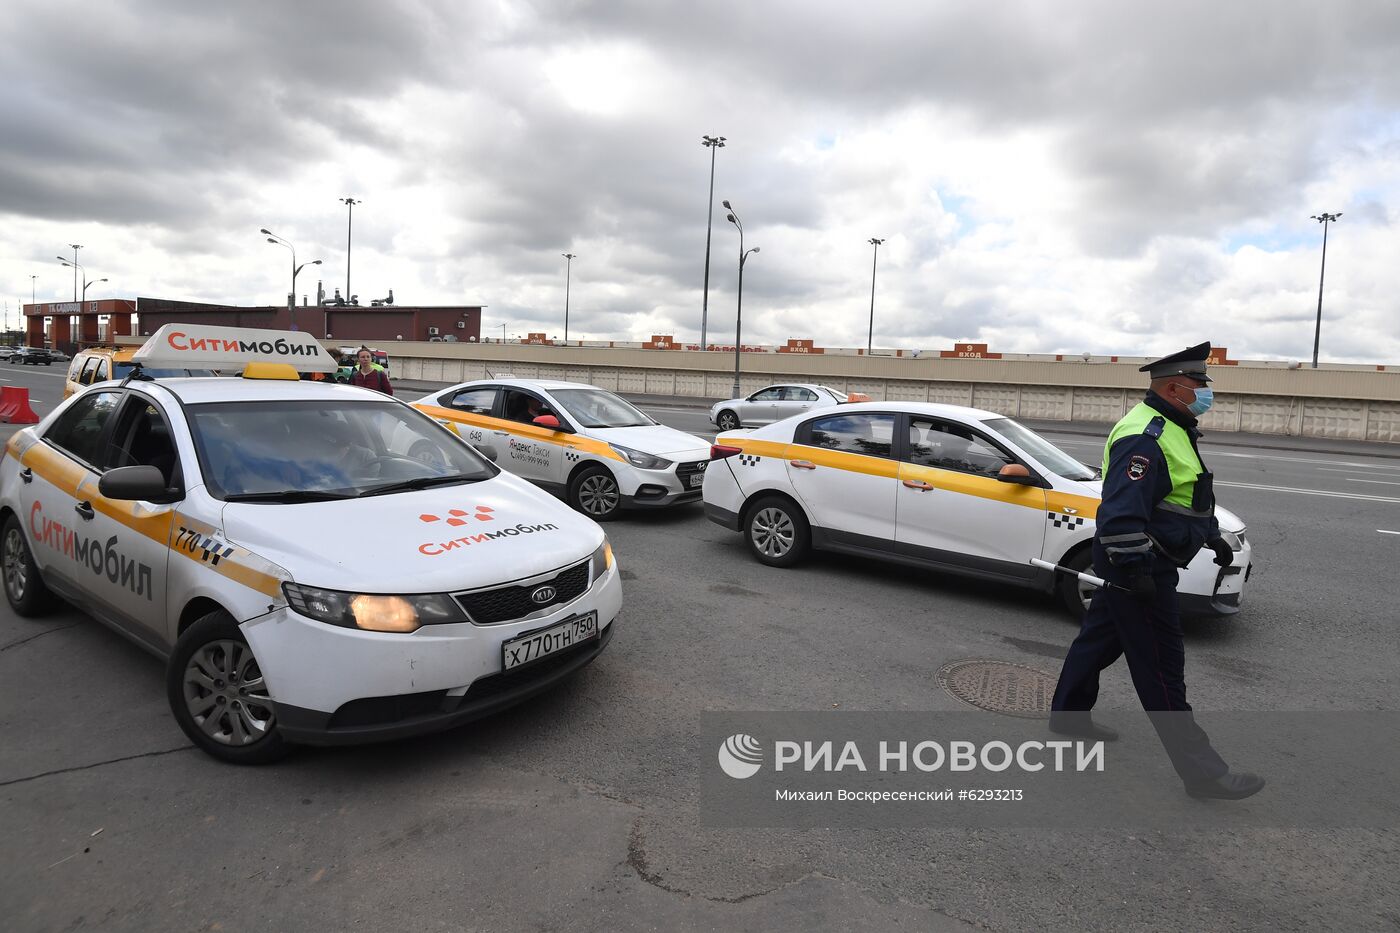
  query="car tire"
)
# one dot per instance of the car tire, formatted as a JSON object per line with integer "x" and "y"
{"x": 727, "y": 421}
{"x": 595, "y": 493}
{"x": 1074, "y": 593}
{"x": 777, "y": 532}
{"x": 218, "y": 694}
{"x": 24, "y": 588}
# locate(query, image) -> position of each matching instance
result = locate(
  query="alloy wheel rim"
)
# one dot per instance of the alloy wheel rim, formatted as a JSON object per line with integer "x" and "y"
{"x": 598, "y": 495}
{"x": 728, "y": 422}
{"x": 773, "y": 532}
{"x": 16, "y": 578}
{"x": 226, "y": 695}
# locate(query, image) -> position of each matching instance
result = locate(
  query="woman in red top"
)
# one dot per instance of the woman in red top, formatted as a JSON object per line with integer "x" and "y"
{"x": 366, "y": 375}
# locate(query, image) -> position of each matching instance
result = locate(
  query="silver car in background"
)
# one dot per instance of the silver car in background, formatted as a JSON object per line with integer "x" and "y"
{"x": 776, "y": 402}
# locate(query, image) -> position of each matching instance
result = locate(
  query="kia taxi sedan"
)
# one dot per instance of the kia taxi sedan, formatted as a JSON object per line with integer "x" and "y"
{"x": 593, "y": 449}
{"x": 939, "y": 486}
{"x": 306, "y": 579}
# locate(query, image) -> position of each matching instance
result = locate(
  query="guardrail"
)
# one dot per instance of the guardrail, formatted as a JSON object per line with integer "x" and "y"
{"x": 1350, "y": 403}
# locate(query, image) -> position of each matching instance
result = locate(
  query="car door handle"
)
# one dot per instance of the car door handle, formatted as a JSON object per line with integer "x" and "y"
{"x": 84, "y": 509}
{"x": 500, "y": 433}
{"x": 27, "y": 475}
{"x": 802, "y": 464}
{"x": 918, "y": 484}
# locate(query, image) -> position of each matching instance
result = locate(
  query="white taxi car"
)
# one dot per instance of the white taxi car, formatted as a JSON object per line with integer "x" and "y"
{"x": 307, "y": 580}
{"x": 595, "y": 450}
{"x": 941, "y": 486}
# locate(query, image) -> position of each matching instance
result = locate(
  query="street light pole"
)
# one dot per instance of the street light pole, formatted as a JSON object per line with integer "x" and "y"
{"x": 349, "y": 222}
{"x": 739, "y": 308}
{"x": 86, "y": 283}
{"x": 296, "y": 270}
{"x": 712, "y": 143}
{"x": 76, "y": 247}
{"x": 568, "y": 277}
{"x": 32, "y": 299}
{"x": 870, "y": 337}
{"x": 1323, "y": 219}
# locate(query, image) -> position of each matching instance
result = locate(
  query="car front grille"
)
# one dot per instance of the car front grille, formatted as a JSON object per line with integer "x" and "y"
{"x": 507, "y": 603}
{"x": 686, "y": 470}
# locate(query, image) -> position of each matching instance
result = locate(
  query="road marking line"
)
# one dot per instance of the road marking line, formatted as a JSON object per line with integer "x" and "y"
{"x": 1312, "y": 492}
{"x": 1384, "y": 532}
{"x": 1379, "y": 482}
{"x": 1369, "y": 471}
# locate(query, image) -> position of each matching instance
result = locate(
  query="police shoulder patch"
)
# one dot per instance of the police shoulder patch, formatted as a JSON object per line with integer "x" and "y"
{"x": 1137, "y": 466}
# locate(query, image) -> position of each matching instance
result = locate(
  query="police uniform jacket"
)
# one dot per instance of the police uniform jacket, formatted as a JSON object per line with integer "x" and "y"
{"x": 1158, "y": 498}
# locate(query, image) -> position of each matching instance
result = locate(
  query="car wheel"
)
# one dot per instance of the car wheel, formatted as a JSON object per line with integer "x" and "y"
{"x": 24, "y": 588}
{"x": 595, "y": 493}
{"x": 777, "y": 532}
{"x": 1075, "y": 593}
{"x": 727, "y": 420}
{"x": 428, "y": 453}
{"x": 218, "y": 695}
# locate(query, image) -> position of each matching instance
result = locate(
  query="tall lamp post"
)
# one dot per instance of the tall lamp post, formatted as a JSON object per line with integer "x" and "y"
{"x": 712, "y": 143}
{"x": 349, "y": 222}
{"x": 296, "y": 270}
{"x": 568, "y": 277}
{"x": 870, "y": 337}
{"x": 32, "y": 299}
{"x": 1323, "y": 219}
{"x": 76, "y": 267}
{"x": 86, "y": 283}
{"x": 739, "y": 309}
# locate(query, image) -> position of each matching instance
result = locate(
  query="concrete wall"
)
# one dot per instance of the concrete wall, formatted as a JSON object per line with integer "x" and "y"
{"x": 1341, "y": 402}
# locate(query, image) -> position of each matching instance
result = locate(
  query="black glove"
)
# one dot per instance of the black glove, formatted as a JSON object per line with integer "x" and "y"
{"x": 1224, "y": 556}
{"x": 1142, "y": 587}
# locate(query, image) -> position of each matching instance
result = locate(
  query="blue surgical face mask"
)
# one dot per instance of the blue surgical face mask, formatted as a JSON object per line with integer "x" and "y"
{"x": 1205, "y": 397}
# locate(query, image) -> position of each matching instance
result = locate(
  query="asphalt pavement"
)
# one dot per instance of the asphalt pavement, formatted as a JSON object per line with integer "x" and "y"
{"x": 578, "y": 810}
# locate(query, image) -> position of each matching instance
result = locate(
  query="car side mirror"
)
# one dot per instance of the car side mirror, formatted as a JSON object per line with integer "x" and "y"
{"x": 547, "y": 421}
{"x": 143, "y": 482}
{"x": 1019, "y": 474}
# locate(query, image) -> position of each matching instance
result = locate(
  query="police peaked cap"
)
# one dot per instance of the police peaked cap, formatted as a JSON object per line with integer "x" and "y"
{"x": 1189, "y": 362}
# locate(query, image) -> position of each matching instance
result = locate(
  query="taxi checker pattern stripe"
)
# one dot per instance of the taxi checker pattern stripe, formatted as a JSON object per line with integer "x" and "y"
{"x": 65, "y": 475}
{"x": 587, "y": 445}
{"x": 980, "y": 486}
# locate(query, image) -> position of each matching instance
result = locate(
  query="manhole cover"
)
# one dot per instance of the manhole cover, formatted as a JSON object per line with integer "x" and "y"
{"x": 999, "y": 686}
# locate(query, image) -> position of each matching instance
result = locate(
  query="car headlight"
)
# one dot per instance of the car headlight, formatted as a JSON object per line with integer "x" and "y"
{"x": 1234, "y": 539}
{"x": 642, "y": 460}
{"x": 602, "y": 558}
{"x": 373, "y": 612}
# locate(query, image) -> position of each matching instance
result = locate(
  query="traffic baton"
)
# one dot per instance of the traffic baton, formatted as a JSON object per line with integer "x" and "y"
{"x": 1088, "y": 578}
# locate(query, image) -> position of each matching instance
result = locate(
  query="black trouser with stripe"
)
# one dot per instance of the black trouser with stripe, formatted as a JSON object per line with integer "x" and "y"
{"x": 1149, "y": 634}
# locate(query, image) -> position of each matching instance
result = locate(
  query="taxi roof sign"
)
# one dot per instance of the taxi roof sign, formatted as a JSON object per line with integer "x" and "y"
{"x": 200, "y": 346}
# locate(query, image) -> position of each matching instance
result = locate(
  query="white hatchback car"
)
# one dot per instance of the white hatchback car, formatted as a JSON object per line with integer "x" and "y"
{"x": 585, "y": 444}
{"x": 942, "y": 486}
{"x": 307, "y": 580}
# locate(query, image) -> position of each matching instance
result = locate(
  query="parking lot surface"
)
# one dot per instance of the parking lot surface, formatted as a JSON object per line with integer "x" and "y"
{"x": 578, "y": 810}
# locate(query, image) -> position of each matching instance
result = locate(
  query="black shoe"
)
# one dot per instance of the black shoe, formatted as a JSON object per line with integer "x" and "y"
{"x": 1229, "y": 786}
{"x": 1081, "y": 726}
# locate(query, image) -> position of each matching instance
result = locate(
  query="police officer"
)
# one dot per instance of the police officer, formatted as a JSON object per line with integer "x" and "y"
{"x": 1158, "y": 510}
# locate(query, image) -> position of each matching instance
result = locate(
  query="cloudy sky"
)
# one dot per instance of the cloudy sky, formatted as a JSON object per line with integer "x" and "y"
{"x": 1112, "y": 176}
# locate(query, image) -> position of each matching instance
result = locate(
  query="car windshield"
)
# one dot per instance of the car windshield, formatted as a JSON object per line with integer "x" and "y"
{"x": 594, "y": 408}
{"x": 1051, "y": 457}
{"x": 289, "y": 451}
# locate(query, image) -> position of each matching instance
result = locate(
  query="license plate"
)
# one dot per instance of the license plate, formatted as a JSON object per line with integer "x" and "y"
{"x": 541, "y": 643}
{"x": 697, "y": 479}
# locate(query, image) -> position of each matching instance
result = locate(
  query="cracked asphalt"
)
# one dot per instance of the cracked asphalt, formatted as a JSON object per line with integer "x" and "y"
{"x": 578, "y": 810}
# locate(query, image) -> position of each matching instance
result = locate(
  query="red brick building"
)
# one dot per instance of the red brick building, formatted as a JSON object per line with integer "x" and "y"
{"x": 52, "y": 323}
